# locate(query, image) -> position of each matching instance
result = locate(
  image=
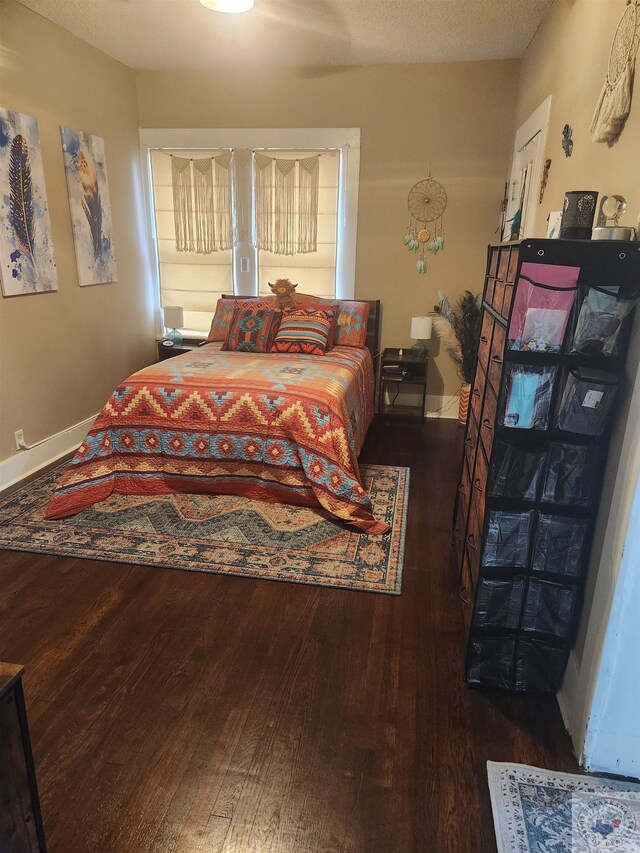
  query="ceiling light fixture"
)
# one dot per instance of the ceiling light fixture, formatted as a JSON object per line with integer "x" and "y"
{"x": 232, "y": 6}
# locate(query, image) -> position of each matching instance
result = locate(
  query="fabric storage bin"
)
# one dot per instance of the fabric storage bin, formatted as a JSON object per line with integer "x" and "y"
{"x": 549, "y": 608}
{"x": 507, "y": 540}
{"x": 490, "y": 661}
{"x": 587, "y": 400}
{"x": 600, "y": 321}
{"x": 527, "y": 396}
{"x": 539, "y": 666}
{"x": 560, "y": 544}
{"x": 515, "y": 471}
{"x": 544, "y": 298}
{"x": 498, "y": 603}
{"x": 570, "y": 475}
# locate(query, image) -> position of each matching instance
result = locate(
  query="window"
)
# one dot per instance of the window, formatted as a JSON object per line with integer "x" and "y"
{"x": 195, "y": 277}
{"x": 315, "y": 271}
{"x": 193, "y": 280}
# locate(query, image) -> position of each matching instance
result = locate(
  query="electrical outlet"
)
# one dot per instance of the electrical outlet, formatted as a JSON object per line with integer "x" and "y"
{"x": 19, "y": 437}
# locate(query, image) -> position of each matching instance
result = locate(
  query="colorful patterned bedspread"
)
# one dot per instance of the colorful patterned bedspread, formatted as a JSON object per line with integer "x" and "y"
{"x": 276, "y": 427}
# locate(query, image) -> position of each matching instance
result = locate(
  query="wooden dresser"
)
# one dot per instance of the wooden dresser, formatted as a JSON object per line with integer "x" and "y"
{"x": 21, "y": 828}
{"x": 555, "y": 328}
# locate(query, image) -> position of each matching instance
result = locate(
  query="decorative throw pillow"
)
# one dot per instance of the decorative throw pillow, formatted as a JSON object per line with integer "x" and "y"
{"x": 305, "y": 330}
{"x": 251, "y": 330}
{"x": 224, "y": 314}
{"x": 305, "y": 300}
{"x": 351, "y": 323}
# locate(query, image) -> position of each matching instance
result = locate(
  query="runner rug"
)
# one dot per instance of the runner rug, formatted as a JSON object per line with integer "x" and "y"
{"x": 537, "y": 810}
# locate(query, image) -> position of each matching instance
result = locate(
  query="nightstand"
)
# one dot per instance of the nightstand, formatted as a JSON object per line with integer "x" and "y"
{"x": 170, "y": 352}
{"x": 397, "y": 371}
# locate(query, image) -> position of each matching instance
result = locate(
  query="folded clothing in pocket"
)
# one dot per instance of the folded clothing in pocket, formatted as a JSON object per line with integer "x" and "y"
{"x": 587, "y": 401}
{"x": 600, "y": 321}
{"x": 528, "y": 396}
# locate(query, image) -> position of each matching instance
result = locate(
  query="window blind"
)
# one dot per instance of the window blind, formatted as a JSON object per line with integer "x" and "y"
{"x": 193, "y": 281}
{"x": 315, "y": 273}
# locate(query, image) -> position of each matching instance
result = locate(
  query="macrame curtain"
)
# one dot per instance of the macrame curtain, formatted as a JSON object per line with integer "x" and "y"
{"x": 202, "y": 203}
{"x": 287, "y": 204}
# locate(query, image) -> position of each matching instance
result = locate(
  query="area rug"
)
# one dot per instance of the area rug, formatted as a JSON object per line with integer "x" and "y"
{"x": 221, "y": 534}
{"x": 537, "y": 810}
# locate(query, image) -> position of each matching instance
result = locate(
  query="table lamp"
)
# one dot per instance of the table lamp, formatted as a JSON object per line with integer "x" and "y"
{"x": 174, "y": 320}
{"x": 421, "y": 331}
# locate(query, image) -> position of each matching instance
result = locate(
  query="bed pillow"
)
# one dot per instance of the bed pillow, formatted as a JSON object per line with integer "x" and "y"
{"x": 305, "y": 300}
{"x": 351, "y": 323}
{"x": 251, "y": 330}
{"x": 350, "y": 328}
{"x": 305, "y": 330}
{"x": 224, "y": 314}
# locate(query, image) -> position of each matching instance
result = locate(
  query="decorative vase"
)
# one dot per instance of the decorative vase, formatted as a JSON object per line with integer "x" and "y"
{"x": 463, "y": 406}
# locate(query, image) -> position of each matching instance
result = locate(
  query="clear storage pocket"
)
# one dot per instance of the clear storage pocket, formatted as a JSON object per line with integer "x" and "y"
{"x": 507, "y": 540}
{"x": 587, "y": 401}
{"x": 600, "y": 321}
{"x": 490, "y": 661}
{"x": 498, "y": 603}
{"x": 515, "y": 471}
{"x": 549, "y": 608}
{"x": 544, "y": 298}
{"x": 539, "y": 666}
{"x": 560, "y": 544}
{"x": 527, "y": 396}
{"x": 569, "y": 478}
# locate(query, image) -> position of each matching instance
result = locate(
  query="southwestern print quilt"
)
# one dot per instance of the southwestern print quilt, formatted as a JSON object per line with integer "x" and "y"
{"x": 276, "y": 427}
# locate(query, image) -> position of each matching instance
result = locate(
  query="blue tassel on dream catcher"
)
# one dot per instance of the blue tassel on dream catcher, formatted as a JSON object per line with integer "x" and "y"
{"x": 427, "y": 201}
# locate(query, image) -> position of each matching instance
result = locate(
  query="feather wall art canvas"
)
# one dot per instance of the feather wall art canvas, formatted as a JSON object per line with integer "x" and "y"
{"x": 27, "y": 261}
{"x": 86, "y": 171}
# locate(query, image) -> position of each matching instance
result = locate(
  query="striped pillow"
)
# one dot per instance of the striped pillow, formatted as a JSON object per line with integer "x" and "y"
{"x": 305, "y": 331}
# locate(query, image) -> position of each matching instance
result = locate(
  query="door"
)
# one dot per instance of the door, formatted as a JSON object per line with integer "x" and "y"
{"x": 526, "y": 174}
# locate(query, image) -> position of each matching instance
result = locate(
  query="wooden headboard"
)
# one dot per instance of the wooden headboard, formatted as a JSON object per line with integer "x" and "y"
{"x": 372, "y": 341}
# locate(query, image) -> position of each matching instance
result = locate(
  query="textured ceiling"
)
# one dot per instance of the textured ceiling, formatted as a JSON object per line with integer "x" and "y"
{"x": 182, "y": 34}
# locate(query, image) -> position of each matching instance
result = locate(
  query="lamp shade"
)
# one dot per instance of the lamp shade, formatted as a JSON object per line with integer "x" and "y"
{"x": 421, "y": 328}
{"x": 173, "y": 317}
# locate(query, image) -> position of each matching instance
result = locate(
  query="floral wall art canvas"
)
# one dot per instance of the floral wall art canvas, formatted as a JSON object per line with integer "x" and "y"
{"x": 26, "y": 247}
{"x": 86, "y": 170}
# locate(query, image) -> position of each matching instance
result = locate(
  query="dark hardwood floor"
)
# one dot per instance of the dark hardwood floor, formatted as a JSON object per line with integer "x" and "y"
{"x": 178, "y": 712}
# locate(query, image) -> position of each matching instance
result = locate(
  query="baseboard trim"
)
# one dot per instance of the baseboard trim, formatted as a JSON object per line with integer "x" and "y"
{"x": 27, "y": 462}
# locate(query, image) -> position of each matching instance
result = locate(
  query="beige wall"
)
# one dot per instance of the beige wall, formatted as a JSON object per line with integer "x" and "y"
{"x": 61, "y": 354}
{"x": 457, "y": 117}
{"x": 568, "y": 59}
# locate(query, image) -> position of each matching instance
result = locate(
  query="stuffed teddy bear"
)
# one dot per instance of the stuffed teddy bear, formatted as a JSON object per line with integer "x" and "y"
{"x": 283, "y": 291}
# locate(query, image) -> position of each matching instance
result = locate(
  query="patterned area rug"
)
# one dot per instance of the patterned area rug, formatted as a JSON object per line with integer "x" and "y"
{"x": 221, "y": 534}
{"x": 536, "y": 810}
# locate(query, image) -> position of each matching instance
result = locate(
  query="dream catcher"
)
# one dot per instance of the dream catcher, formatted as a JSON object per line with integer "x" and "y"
{"x": 427, "y": 202}
{"x": 614, "y": 103}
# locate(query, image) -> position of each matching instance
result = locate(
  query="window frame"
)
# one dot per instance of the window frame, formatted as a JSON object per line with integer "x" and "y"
{"x": 347, "y": 140}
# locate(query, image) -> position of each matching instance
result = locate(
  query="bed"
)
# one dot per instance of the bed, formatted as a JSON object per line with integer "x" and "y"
{"x": 277, "y": 427}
